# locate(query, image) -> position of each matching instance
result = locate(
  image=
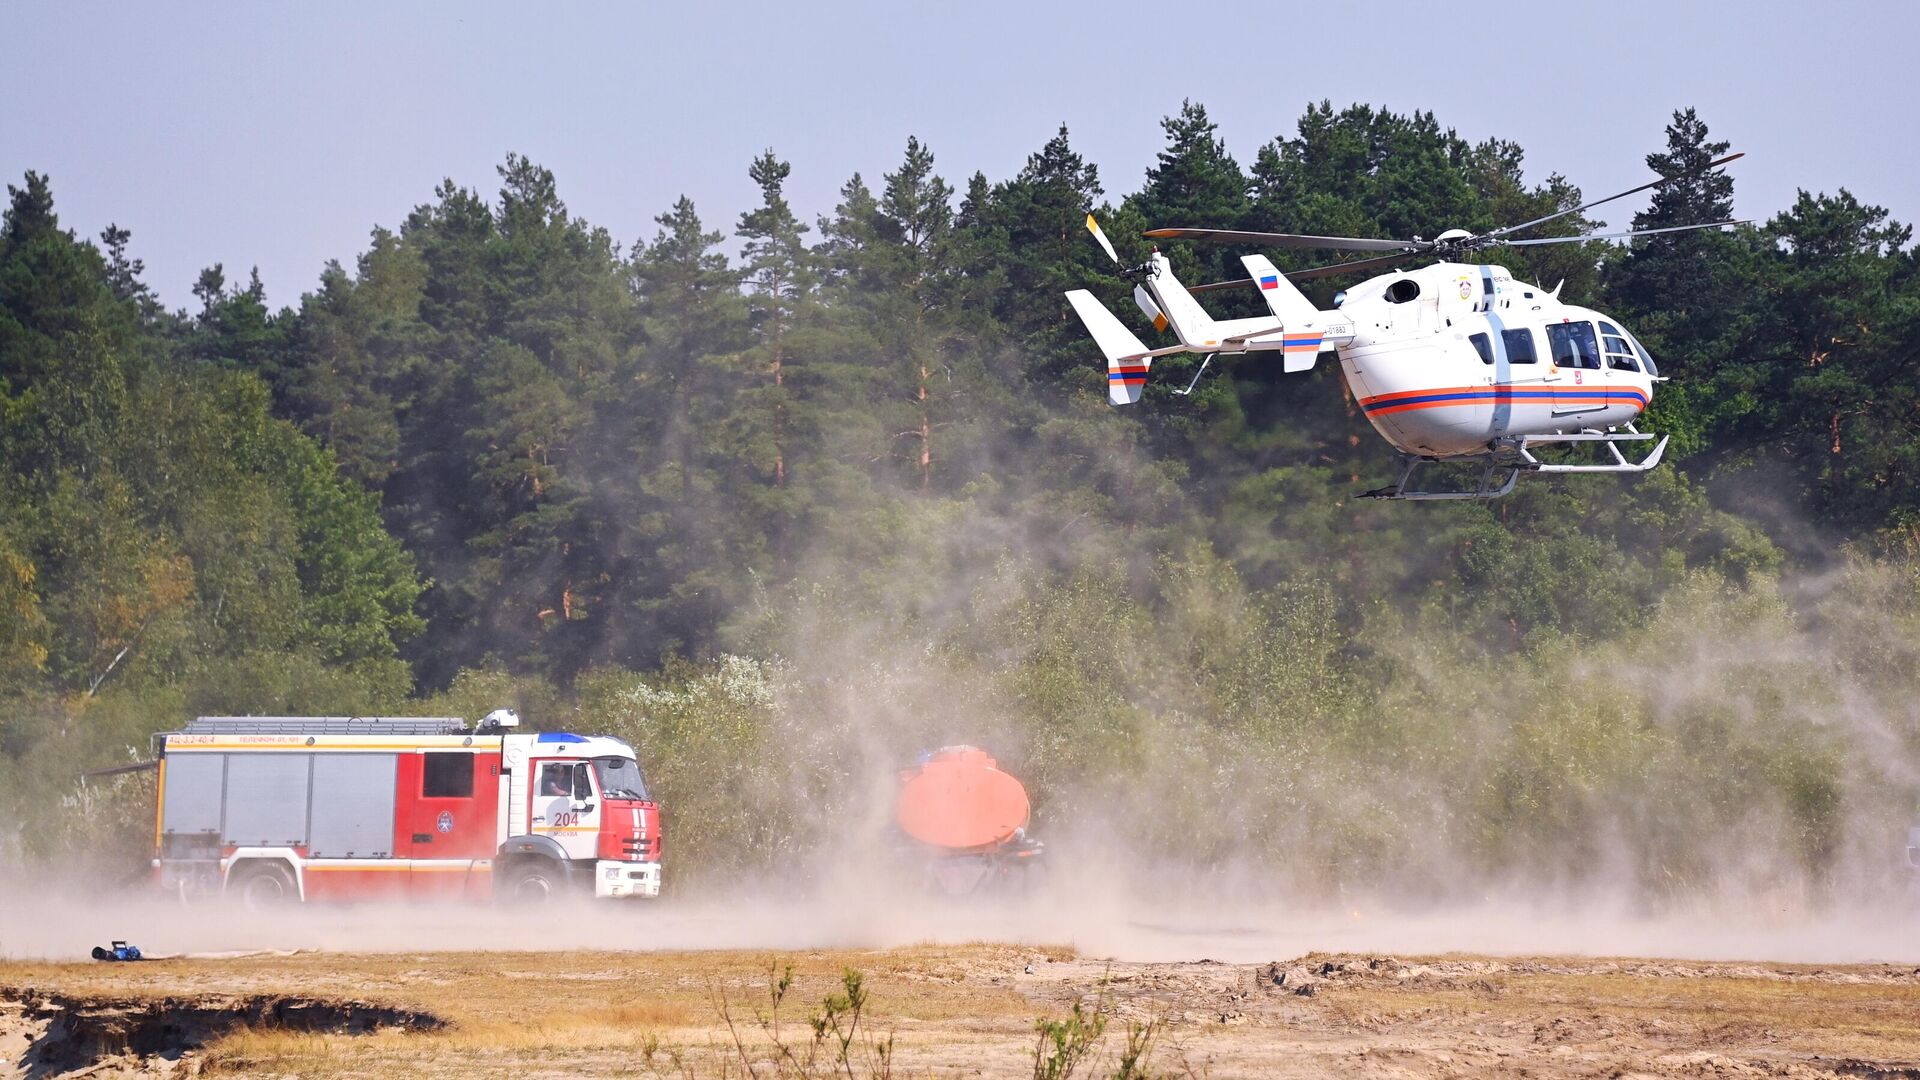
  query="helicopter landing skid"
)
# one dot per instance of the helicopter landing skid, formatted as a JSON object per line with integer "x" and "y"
{"x": 1514, "y": 455}
{"x": 1488, "y": 488}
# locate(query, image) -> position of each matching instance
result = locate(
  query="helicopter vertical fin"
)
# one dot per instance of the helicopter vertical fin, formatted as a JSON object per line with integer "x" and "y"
{"x": 1282, "y": 298}
{"x": 1127, "y": 358}
{"x": 1300, "y": 321}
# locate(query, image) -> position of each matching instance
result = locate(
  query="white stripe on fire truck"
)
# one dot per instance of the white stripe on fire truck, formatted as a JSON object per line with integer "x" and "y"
{"x": 190, "y": 748}
{"x": 440, "y": 866}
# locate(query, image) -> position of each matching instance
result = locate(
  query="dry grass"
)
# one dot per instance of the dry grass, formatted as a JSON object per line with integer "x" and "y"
{"x": 970, "y": 1010}
{"x": 509, "y": 1013}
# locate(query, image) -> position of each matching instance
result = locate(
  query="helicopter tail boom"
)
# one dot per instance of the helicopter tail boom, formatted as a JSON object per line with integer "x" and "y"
{"x": 1190, "y": 321}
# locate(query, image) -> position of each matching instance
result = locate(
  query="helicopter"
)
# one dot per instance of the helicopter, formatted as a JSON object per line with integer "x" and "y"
{"x": 1454, "y": 362}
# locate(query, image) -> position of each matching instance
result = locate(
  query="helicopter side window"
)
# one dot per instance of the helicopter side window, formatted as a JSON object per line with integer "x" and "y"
{"x": 1619, "y": 353}
{"x": 1483, "y": 345}
{"x": 1574, "y": 345}
{"x": 1520, "y": 346}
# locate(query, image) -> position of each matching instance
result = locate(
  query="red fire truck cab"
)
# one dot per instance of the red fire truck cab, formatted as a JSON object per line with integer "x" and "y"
{"x": 274, "y": 809}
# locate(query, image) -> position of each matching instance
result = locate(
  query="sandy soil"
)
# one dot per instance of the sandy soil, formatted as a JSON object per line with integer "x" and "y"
{"x": 965, "y": 1010}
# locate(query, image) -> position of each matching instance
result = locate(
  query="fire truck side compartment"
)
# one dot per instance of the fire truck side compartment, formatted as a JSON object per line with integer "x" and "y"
{"x": 267, "y": 799}
{"x": 194, "y": 791}
{"x": 339, "y": 805}
{"x": 352, "y": 806}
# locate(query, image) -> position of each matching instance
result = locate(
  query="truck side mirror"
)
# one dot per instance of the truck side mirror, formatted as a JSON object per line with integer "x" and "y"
{"x": 582, "y": 783}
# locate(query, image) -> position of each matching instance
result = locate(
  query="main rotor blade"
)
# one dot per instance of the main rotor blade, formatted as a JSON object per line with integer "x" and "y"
{"x": 1094, "y": 228}
{"x": 1236, "y": 283}
{"x": 1378, "y": 262}
{"x": 1286, "y": 240}
{"x": 1630, "y": 191}
{"x": 1583, "y": 237}
{"x": 1355, "y": 266}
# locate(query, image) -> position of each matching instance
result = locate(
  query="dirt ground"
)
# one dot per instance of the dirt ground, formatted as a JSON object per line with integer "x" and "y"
{"x": 966, "y": 1010}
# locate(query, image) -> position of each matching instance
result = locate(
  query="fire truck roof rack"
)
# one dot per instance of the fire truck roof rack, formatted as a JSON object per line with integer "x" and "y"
{"x": 327, "y": 725}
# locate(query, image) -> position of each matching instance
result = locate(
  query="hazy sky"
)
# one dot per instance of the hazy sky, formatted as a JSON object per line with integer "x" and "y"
{"x": 278, "y": 136}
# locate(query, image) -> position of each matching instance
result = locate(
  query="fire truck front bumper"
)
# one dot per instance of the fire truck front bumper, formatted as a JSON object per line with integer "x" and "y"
{"x": 618, "y": 880}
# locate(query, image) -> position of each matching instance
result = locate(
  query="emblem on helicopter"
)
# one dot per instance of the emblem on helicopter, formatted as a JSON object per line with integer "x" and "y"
{"x": 1472, "y": 375}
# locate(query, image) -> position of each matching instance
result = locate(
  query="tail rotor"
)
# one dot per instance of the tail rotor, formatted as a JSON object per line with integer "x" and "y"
{"x": 1136, "y": 274}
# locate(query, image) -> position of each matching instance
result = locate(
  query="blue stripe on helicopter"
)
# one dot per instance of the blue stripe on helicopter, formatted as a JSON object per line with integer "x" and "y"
{"x": 1410, "y": 401}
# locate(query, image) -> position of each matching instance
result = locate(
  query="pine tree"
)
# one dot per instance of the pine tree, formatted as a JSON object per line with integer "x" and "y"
{"x": 1684, "y": 292}
{"x": 1695, "y": 196}
{"x": 1195, "y": 183}
{"x": 123, "y": 272}
{"x": 694, "y": 326}
{"x": 779, "y": 270}
{"x": 917, "y": 208}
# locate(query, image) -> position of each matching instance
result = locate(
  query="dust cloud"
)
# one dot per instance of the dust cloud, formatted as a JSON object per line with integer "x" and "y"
{"x": 54, "y": 924}
{"x": 1216, "y": 776}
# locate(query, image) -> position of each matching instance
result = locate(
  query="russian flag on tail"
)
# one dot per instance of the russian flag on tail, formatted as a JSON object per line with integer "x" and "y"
{"x": 1270, "y": 281}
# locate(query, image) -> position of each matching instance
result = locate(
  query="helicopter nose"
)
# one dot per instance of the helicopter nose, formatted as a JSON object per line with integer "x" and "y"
{"x": 1646, "y": 394}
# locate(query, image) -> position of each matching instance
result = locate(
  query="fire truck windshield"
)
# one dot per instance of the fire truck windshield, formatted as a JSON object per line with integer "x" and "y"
{"x": 620, "y": 778}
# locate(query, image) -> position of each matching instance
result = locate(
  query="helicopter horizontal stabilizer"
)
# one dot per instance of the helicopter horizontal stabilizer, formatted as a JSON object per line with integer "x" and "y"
{"x": 1127, "y": 357}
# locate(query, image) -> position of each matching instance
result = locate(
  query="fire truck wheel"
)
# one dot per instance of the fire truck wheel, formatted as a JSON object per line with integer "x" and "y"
{"x": 264, "y": 885}
{"x": 532, "y": 881}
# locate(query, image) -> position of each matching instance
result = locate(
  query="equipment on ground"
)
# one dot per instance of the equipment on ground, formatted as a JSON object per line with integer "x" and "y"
{"x": 965, "y": 821}
{"x": 277, "y": 809}
{"x": 1455, "y": 362}
{"x": 118, "y": 951}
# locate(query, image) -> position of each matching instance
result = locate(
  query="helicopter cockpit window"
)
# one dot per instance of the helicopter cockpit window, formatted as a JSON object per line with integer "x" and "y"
{"x": 1574, "y": 345}
{"x": 1619, "y": 353}
{"x": 1483, "y": 345}
{"x": 1403, "y": 290}
{"x": 1519, "y": 346}
{"x": 1646, "y": 358}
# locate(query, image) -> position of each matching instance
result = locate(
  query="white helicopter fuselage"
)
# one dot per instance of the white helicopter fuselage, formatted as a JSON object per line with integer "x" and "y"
{"x": 1447, "y": 359}
{"x": 1454, "y": 361}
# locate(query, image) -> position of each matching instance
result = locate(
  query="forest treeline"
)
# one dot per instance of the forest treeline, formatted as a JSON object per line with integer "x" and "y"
{"x": 855, "y": 486}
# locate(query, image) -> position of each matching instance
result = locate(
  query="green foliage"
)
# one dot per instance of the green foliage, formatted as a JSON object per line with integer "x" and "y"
{"x": 1064, "y": 1045}
{"x": 167, "y": 543}
{"x": 852, "y": 1049}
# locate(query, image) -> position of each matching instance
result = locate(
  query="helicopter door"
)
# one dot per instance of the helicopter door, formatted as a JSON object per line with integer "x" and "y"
{"x": 1526, "y": 373}
{"x": 1577, "y": 377}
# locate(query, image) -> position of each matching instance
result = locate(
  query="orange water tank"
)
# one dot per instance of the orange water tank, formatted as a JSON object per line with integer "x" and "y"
{"x": 958, "y": 798}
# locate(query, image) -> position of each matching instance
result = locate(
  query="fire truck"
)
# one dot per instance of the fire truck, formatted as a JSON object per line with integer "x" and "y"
{"x": 281, "y": 809}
